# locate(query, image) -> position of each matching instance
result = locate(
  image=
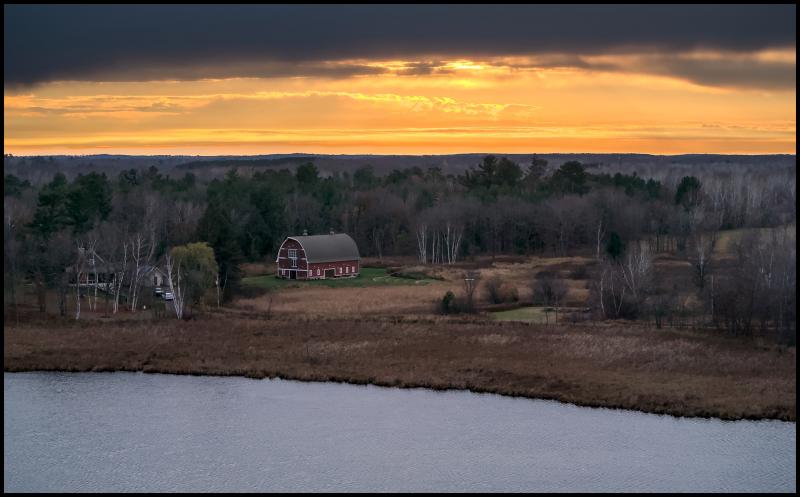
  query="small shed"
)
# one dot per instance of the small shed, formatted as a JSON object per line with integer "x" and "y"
{"x": 308, "y": 257}
{"x": 153, "y": 276}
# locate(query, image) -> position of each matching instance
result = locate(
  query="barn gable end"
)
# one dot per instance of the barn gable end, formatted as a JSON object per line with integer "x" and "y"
{"x": 318, "y": 257}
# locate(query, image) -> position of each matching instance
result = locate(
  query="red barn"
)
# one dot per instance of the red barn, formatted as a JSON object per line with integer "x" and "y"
{"x": 318, "y": 257}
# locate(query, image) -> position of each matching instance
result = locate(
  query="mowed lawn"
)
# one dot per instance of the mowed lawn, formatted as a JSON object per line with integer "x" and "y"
{"x": 370, "y": 276}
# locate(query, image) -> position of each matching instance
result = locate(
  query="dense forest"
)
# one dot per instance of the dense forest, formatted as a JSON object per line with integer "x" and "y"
{"x": 497, "y": 206}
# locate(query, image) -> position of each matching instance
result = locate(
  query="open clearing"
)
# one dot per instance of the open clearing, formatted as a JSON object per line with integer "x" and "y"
{"x": 727, "y": 239}
{"x": 535, "y": 314}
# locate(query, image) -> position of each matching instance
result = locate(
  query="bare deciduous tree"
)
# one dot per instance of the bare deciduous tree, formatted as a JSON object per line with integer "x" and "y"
{"x": 80, "y": 262}
{"x": 175, "y": 282}
{"x": 422, "y": 242}
{"x": 142, "y": 250}
{"x": 452, "y": 240}
{"x": 702, "y": 247}
{"x": 599, "y": 234}
{"x": 636, "y": 270}
{"x": 119, "y": 275}
{"x": 471, "y": 279}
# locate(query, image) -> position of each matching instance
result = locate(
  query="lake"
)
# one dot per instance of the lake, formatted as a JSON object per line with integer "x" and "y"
{"x": 141, "y": 432}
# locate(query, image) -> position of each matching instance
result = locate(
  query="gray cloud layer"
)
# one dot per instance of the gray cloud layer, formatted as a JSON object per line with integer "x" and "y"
{"x": 150, "y": 42}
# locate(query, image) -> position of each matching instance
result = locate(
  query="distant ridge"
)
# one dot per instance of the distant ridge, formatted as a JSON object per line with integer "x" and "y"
{"x": 245, "y": 162}
{"x": 38, "y": 168}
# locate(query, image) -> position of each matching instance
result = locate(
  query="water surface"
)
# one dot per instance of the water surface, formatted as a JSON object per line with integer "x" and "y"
{"x": 139, "y": 432}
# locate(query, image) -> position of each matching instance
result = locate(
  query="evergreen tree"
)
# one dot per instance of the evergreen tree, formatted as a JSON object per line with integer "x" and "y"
{"x": 615, "y": 247}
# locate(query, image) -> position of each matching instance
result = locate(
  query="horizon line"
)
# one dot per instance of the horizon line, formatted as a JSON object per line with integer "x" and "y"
{"x": 312, "y": 154}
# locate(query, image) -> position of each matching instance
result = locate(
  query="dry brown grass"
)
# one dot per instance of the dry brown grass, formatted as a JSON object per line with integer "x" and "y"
{"x": 522, "y": 272}
{"x": 312, "y": 302}
{"x": 417, "y": 299}
{"x": 727, "y": 239}
{"x": 672, "y": 372}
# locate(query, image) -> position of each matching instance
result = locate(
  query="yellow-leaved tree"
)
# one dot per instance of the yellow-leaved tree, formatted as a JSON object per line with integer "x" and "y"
{"x": 191, "y": 270}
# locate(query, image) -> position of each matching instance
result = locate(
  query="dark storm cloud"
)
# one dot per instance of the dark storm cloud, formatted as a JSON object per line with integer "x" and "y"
{"x": 722, "y": 72}
{"x": 212, "y": 68}
{"x": 422, "y": 68}
{"x": 102, "y": 43}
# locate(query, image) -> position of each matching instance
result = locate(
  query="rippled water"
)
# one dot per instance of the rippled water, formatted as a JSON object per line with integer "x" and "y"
{"x": 132, "y": 431}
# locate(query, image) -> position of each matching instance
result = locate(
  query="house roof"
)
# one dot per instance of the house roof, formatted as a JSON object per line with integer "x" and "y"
{"x": 111, "y": 267}
{"x": 149, "y": 269}
{"x": 328, "y": 248}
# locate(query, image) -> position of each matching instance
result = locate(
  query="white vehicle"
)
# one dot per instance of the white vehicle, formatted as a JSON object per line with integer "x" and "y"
{"x": 158, "y": 291}
{"x": 168, "y": 296}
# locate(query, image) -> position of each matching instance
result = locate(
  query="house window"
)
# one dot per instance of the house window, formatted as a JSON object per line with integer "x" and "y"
{"x": 317, "y": 272}
{"x": 354, "y": 269}
{"x": 346, "y": 269}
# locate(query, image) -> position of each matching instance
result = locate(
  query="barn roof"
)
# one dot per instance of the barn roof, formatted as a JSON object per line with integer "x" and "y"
{"x": 328, "y": 248}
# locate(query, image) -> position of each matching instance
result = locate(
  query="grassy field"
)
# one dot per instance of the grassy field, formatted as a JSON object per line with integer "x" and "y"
{"x": 533, "y": 314}
{"x": 369, "y": 277}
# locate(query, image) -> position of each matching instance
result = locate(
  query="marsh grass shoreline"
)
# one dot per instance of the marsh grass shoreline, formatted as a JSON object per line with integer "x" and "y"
{"x": 678, "y": 373}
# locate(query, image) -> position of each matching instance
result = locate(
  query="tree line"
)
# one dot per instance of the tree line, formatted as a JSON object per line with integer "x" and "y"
{"x": 496, "y": 207}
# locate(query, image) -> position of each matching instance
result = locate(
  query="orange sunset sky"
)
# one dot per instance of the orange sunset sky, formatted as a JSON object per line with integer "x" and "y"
{"x": 697, "y": 98}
